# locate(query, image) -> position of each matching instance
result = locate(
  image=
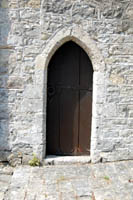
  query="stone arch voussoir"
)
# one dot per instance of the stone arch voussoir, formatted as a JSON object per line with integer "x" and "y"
{"x": 80, "y": 37}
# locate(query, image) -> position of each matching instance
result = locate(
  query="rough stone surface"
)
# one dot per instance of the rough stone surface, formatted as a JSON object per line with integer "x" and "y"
{"x": 61, "y": 160}
{"x": 104, "y": 29}
{"x": 100, "y": 181}
{"x": 6, "y": 173}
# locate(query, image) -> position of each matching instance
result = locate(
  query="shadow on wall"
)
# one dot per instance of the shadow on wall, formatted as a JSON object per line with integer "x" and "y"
{"x": 4, "y": 72}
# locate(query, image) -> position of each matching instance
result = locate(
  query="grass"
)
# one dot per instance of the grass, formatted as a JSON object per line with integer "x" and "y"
{"x": 106, "y": 178}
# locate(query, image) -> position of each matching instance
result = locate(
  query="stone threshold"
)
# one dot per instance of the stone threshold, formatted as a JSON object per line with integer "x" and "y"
{"x": 64, "y": 160}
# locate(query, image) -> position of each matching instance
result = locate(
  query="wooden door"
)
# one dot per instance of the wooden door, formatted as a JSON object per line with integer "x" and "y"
{"x": 69, "y": 101}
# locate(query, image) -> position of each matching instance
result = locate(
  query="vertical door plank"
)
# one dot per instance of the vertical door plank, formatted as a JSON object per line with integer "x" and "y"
{"x": 85, "y": 121}
{"x": 86, "y": 71}
{"x": 69, "y": 121}
{"x": 53, "y": 125}
{"x": 69, "y": 67}
{"x": 63, "y": 68}
{"x": 85, "y": 103}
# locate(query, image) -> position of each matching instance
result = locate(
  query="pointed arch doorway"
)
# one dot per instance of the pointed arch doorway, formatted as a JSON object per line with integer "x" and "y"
{"x": 69, "y": 101}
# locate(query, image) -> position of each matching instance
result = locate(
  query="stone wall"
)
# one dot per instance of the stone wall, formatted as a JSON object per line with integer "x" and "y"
{"x": 27, "y": 28}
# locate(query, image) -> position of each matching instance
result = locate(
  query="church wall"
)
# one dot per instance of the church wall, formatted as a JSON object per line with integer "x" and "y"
{"x": 27, "y": 29}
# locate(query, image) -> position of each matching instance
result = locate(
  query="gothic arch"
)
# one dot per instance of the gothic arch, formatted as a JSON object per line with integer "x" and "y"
{"x": 77, "y": 35}
{"x": 80, "y": 37}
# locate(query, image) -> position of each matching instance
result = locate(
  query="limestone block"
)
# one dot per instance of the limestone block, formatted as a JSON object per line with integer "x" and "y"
{"x": 15, "y": 83}
{"x": 129, "y": 80}
{"x": 31, "y": 105}
{"x": 130, "y": 123}
{"x": 2, "y": 195}
{"x": 130, "y": 30}
{"x": 40, "y": 63}
{"x": 13, "y": 4}
{"x": 109, "y": 133}
{"x": 98, "y": 94}
{"x": 39, "y": 121}
{"x": 2, "y": 82}
{"x": 32, "y": 92}
{"x": 106, "y": 145}
{"x": 26, "y": 159}
{"x": 116, "y": 79}
{"x": 113, "y": 90}
{"x": 109, "y": 110}
{"x": 4, "y": 135}
{"x": 4, "y": 30}
{"x": 124, "y": 59}
{"x": 99, "y": 78}
{"x": 34, "y": 3}
{"x": 15, "y": 40}
{"x": 4, "y": 4}
{"x": 129, "y": 11}
{"x": 3, "y": 155}
{"x": 126, "y": 25}
{"x": 4, "y": 113}
{"x": 4, "y": 56}
{"x": 127, "y": 90}
{"x": 44, "y": 36}
{"x": 110, "y": 11}
{"x": 121, "y": 49}
{"x": 3, "y": 70}
{"x": 3, "y": 96}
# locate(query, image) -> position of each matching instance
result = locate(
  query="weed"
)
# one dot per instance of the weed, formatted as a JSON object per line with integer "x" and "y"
{"x": 106, "y": 178}
{"x": 35, "y": 161}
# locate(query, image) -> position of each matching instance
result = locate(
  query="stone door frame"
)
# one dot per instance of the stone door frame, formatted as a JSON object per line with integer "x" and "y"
{"x": 82, "y": 38}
